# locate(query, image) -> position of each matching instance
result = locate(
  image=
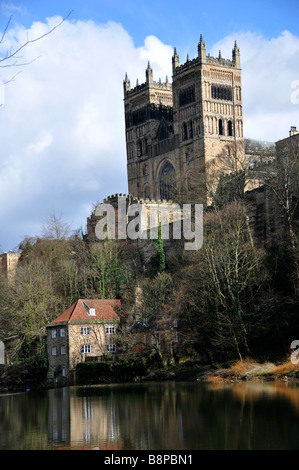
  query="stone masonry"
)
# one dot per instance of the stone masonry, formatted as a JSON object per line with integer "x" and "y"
{"x": 174, "y": 130}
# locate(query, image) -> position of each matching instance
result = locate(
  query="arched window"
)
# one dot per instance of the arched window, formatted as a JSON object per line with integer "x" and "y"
{"x": 139, "y": 148}
{"x": 220, "y": 127}
{"x": 145, "y": 146}
{"x": 167, "y": 181}
{"x": 230, "y": 128}
{"x": 190, "y": 129}
{"x": 185, "y": 131}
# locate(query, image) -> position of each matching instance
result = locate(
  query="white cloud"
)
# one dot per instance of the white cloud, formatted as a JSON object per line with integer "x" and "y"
{"x": 62, "y": 134}
{"x": 269, "y": 67}
{"x": 62, "y": 124}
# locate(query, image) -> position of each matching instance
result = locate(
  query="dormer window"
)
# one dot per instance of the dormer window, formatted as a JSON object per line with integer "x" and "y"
{"x": 92, "y": 312}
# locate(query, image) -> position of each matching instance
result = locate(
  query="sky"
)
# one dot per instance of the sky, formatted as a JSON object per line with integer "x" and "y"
{"x": 62, "y": 134}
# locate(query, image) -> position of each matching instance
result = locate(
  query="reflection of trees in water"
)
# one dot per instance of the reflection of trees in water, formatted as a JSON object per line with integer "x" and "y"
{"x": 254, "y": 391}
{"x": 23, "y": 422}
{"x": 155, "y": 416}
{"x": 172, "y": 416}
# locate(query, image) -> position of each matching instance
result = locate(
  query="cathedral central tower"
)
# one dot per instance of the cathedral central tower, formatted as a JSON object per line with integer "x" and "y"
{"x": 173, "y": 130}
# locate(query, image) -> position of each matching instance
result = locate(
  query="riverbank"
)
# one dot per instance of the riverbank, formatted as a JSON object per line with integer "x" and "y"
{"x": 235, "y": 371}
{"x": 21, "y": 378}
{"x": 252, "y": 370}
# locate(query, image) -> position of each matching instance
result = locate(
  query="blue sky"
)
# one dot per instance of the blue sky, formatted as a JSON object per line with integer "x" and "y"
{"x": 61, "y": 119}
{"x": 174, "y": 22}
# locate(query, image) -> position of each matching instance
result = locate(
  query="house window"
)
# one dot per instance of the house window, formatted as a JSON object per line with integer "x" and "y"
{"x": 111, "y": 347}
{"x": 62, "y": 350}
{"x": 92, "y": 312}
{"x": 63, "y": 372}
{"x": 62, "y": 332}
{"x": 53, "y": 333}
{"x": 85, "y": 330}
{"x": 110, "y": 330}
{"x": 54, "y": 351}
{"x": 85, "y": 348}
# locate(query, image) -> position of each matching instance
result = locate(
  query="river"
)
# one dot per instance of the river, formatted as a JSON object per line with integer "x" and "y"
{"x": 152, "y": 416}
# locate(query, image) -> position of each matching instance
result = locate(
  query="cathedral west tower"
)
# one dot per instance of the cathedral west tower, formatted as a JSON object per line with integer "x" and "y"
{"x": 176, "y": 129}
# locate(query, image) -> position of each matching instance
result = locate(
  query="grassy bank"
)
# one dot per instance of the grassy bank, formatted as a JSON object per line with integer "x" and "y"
{"x": 251, "y": 369}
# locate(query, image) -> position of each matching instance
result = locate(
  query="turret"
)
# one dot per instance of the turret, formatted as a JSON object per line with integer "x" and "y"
{"x": 175, "y": 61}
{"x": 149, "y": 75}
{"x": 202, "y": 55}
{"x": 236, "y": 56}
{"x": 127, "y": 85}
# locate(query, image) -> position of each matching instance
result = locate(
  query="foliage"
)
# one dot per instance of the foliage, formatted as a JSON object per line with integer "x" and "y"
{"x": 121, "y": 371}
{"x": 225, "y": 287}
{"x": 160, "y": 250}
{"x": 91, "y": 373}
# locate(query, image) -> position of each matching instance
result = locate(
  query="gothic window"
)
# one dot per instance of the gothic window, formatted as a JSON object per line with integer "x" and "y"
{"x": 187, "y": 96}
{"x": 198, "y": 128}
{"x": 167, "y": 181}
{"x": 139, "y": 148}
{"x": 221, "y": 93}
{"x": 185, "y": 131}
{"x": 230, "y": 128}
{"x": 220, "y": 127}
{"x": 190, "y": 129}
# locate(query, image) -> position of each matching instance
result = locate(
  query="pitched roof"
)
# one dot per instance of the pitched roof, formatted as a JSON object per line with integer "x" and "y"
{"x": 80, "y": 311}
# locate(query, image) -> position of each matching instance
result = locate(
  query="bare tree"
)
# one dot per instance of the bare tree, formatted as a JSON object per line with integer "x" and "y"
{"x": 54, "y": 227}
{"x": 12, "y": 57}
{"x": 283, "y": 182}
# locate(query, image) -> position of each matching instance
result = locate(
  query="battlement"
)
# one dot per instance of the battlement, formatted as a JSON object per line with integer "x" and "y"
{"x": 149, "y": 205}
{"x": 204, "y": 58}
{"x": 219, "y": 61}
{"x": 134, "y": 200}
{"x": 154, "y": 85}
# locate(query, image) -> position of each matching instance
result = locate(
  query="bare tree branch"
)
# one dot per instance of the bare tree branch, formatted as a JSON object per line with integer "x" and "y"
{"x": 13, "y": 53}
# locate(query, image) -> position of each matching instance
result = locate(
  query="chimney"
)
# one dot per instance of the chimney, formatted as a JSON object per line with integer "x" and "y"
{"x": 293, "y": 131}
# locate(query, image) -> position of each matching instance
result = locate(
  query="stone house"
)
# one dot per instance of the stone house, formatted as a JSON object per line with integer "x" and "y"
{"x": 86, "y": 331}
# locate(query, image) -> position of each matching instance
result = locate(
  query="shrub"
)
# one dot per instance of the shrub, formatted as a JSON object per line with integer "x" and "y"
{"x": 91, "y": 373}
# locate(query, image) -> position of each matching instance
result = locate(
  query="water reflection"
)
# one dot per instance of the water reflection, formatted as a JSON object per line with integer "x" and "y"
{"x": 153, "y": 416}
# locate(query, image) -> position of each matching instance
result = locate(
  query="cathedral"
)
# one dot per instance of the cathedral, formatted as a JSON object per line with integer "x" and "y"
{"x": 193, "y": 126}
{"x": 173, "y": 130}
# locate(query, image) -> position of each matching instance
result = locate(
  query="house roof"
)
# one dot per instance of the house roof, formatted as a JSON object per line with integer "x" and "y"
{"x": 104, "y": 310}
